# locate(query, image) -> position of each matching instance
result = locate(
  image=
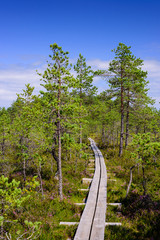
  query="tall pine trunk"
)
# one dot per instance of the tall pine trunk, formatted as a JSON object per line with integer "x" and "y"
{"x": 122, "y": 119}
{"x": 59, "y": 158}
{"x": 80, "y": 136}
{"x": 59, "y": 143}
{"x": 127, "y": 121}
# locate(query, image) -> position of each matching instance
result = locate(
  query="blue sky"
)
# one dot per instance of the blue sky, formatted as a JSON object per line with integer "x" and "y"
{"x": 92, "y": 28}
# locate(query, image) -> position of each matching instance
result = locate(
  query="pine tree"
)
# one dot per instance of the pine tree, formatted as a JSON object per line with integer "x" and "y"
{"x": 129, "y": 80}
{"x": 57, "y": 80}
{"x": 22, "y": 125}
{"x": 84, "y": 87}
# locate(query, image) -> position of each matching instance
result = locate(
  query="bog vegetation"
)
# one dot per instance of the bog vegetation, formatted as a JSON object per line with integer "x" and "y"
{"x": 44, "y": 149}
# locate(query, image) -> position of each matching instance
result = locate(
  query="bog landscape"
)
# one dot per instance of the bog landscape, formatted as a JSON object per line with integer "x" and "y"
{"x": 65, "y": 146}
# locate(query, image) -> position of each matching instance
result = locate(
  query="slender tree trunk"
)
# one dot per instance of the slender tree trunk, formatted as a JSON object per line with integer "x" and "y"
{"x": 59, "y": 142}
{"x": 56, "y": 159}
{"x": 59, "y": 159}
{"x": 122, "y": 120}
{"x": 127, "y": 122}
{"x": 121, "y": 136}
{"x": 80, "y": 136}
{"x": 52, "y": 166}
{"x": 130, "y": 181}
{"x": 113, "y": 138}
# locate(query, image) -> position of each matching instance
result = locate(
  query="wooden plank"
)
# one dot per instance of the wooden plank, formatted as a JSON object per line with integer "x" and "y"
{"x": 76, "y": 223}
{"x": 108, "y": 204}
{"x": 113, "y": 224}
{"x": 86, "y": 180}
{"x": 98, "y": 227}
{"x": 69, "y": 223}
{"x": 84, "y": 189}
{"x": 91, "y": 160}
{"x": 80, "y": 204}
{"x": 84, "y": 227}
{"x": 114, "y": 204}
{"x": 92, "y": 223}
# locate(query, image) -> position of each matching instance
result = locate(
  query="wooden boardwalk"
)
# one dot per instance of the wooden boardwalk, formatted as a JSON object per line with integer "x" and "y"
{"x": 92, "y": 223}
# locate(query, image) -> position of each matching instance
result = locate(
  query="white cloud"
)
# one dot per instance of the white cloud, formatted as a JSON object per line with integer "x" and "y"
{"x": 6, "y": 94}
{"x": 14, "y": 77}
{"x": 13, "y": 80}
{"x": 153, "y": 68}
{"x": 98, "y": 64}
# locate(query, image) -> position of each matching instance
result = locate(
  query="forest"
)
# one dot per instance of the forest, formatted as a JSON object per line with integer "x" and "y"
{"x": 45, "y": 151}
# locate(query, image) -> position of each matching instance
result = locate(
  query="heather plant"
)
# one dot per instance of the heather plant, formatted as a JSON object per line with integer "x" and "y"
{"x": 12, "y": 199}
{"x": 144, "y": 151}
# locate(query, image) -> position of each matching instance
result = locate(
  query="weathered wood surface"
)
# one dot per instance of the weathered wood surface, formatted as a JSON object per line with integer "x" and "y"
{"x": 92, "y": 223}
{"x": 113, "y": 224}
{"x": 84, "y": 189}
{"x": 86, "y": 180}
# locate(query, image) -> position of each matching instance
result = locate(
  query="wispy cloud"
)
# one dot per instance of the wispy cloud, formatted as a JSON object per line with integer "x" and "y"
{"x": 14, "y": 77}
{"x": 153, "y": 68}
{"x": 13, "y": 80}
{"x": 98, "y": 64}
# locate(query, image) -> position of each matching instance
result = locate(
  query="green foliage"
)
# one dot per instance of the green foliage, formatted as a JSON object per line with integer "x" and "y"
{"x": 84, "y": 79}
{"x": 36, "y": 131}
{"x": 139, "y": 214}
{"x": 13, "y": 198}
{"x": 145, "y": 149}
